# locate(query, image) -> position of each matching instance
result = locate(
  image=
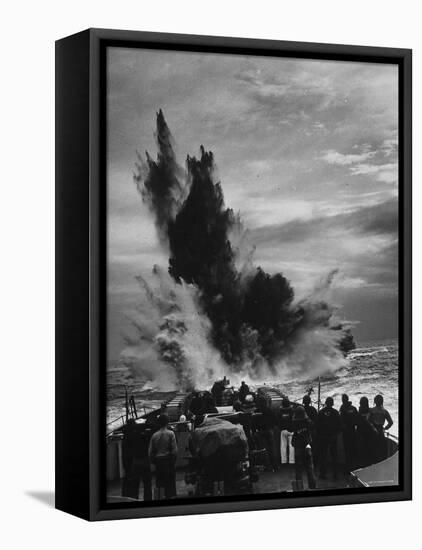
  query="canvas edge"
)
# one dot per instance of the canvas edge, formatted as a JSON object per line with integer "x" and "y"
{"x": 100, "y": 37}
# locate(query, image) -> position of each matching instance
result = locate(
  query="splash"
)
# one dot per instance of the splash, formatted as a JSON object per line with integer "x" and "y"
{"x": 170, "y": 346}
{"x": 215, "y": 312}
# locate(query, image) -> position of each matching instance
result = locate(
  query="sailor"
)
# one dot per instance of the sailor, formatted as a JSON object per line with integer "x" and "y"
{"x": 248, "y": 404}
{"x": 328, "y": 428}
{"x": 366, "y": 435}
{"x": 364, "y": 409}
{"x": 196, "y": 406}
{"x": 310, "y": 411}
{"x": 243, "y": 391}
{"x": 378, "y": 416}
{"x": 266, "y": 426}
{"x": 349, "y": 421}
{"x": 163, "y": 410}
{"x": 136, "y": 464}
{"x": 302, "y": 443}
{"x": 237, "y": 405}
{"x": 248, "y": 407}
{"x": 285, "y": 421}
{"x": 209, "y": 404}
{"x": 312, "y": 415}
{"x": 235, "y": 395}
{"x": 260, "y": 401}
{"x": 163, "y": 453}
{"x": 217, "y": 391}
{"x": 228, "y": 396}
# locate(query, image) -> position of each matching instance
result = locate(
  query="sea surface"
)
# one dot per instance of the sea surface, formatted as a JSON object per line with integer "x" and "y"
{"x": 371, "y": 369}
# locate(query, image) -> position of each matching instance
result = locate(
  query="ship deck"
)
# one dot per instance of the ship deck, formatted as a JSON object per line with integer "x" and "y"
{"x": 384, "y": 473}
{"x": 269, "y": 482}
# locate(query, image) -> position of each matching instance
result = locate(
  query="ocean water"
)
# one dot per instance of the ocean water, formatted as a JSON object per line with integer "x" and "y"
{"x": 371, "y": 369}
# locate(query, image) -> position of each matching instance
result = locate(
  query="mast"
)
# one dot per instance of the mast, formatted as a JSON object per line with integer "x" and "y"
{"x": 319, "y": 392}
{"x": 126, "y": 404}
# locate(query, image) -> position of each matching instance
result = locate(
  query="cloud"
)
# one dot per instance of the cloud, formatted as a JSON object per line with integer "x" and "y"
{"x": 362, "y": 244}
{"x": 376, "y": 219}
{"x": 288, "y": 97}
{"x": 350, "y": 282}
{"x": 370, "y": 162}
{"x": 390, "y": 146}
{"x": 387, "y": 173}
{"x": 261, "y": 210}
{"x": 334, "y": 157}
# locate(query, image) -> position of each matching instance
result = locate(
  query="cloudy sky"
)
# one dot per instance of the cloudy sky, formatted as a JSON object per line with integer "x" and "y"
{"x": 306, "y": 152}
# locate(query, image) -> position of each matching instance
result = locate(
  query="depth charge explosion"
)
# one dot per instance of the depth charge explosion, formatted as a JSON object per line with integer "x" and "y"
{"x": 247, "y": 318}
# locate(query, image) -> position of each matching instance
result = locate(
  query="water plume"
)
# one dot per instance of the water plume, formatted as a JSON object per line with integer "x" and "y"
{"x": 170, "y": 341}
{"x": 215, "y": 312}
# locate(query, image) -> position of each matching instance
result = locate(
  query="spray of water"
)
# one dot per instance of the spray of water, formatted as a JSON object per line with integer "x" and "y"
{"x": 171, "y": 347}
{"x": 214, "y": 312}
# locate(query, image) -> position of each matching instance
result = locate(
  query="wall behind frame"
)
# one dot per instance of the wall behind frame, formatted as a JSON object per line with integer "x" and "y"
{"x": 27, "y": 320}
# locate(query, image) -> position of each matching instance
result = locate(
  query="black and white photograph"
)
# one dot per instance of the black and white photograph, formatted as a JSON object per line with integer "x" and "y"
{"x": 210, "y": 237}
{"x": 252, "y": 276}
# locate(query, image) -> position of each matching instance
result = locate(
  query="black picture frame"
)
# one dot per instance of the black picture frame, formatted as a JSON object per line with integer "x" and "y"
{"x": 81, "y": 275}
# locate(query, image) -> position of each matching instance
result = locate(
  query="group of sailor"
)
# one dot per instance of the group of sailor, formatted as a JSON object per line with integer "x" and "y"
{"x": 309, "y": 437}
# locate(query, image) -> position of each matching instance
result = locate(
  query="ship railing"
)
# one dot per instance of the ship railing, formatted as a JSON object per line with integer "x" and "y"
{"x": 121, "y": 419}
{"x": 393, "y": 443}
{"x": 389, "y": 435}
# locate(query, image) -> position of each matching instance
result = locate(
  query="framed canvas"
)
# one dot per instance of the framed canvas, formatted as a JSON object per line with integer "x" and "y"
{"x": 233, "y": 274}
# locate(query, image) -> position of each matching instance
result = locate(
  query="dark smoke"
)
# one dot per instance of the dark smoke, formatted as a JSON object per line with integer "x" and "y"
{"x": 159, "y": 181}
{"x": 253, "y": 317}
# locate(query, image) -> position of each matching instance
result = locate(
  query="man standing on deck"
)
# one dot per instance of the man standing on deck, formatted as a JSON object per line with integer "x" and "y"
{"x": 266, "y": 431}
{"x": 301, "y": 442}
{"x": 136, "y": 464}
{"x": 217, "y": 392}
{"x": 349, "y": 420}
{"x": 287, "y": 451}
{"x": 312, "y": 415}
{"x": 243, "y": 391}
{"x": 328, "y": 428}
{"x": 310, "y": 410}
{"x": 377, "y": 417}
{"x": 163, "y": 453}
